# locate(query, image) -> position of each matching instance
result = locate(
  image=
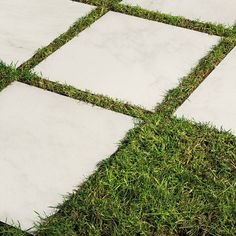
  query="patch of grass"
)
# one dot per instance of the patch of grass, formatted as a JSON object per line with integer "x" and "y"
{"x": 11, "y": 231}
{"x": 7, "y": 75}
{"x": 169, "y": 177}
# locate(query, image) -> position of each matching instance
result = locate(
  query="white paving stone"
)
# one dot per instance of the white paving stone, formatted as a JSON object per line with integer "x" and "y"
{"x": 128, "y": 58}
{"x": 214, "y": 100}
{"x": 26, "y": 25}
{"x": 215, "y": 11}
{"x": 49, "y": 144}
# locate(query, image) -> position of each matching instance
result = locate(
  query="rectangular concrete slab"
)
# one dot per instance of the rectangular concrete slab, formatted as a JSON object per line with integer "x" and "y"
{"x": 49, "y": 144}
{"x": 127, "y": 58}
{"x": 215, "y": 11}
{"x": 27, "y": 25}
{"x": 214, "y": 100}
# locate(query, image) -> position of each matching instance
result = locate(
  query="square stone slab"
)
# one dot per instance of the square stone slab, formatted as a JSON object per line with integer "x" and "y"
{"x": 128, "y": 58}
{"x": 26, "y": 25}
{"x": 214, "y": 100}
{"x": 215, "y": 11}
{"x": 49, "y": 144}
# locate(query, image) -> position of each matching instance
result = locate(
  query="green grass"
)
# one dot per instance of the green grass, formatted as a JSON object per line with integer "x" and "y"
{"x": 175, "y": 97}
{"x": 86, "y": 96}
{"x": 7, "y": 75}
{"x": 169, "y": 176}
{"x": 11, "y": 231}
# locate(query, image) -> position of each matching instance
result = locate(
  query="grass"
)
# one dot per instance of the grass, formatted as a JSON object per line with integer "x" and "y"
{"x": 12, "y": 231}
{"x": 99, "y": 3}
{"x": 7, "y": 75}
{"x": 169, "y": 176}
{"x": 86, "y": 96}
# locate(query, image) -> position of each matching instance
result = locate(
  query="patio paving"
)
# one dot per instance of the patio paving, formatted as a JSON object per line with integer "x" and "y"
{"x": 215, "y": 11}
{"x": 49, "y": 144}
{"x": 214, "y": 100}
{"x": 128, "y": 58}
{"x": 26, "y": 25}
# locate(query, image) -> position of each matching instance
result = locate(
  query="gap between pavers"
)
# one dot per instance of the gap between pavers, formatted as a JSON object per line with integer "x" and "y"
{"x": 214, "y": 11}
{"x": 128, "y": 58}
{"x": 49, "y": 144}
{"x": 214, "y": 100}
{"x": 26, "y": 25}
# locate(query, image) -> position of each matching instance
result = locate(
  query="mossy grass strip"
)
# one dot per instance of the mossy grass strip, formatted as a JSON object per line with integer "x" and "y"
{"x": 99, "y": 100}
{"x": 100, "y": 3}
{"x": 188, "y": 84}
{"x": 73, "y": 31}
{"x": 208, "y": 28}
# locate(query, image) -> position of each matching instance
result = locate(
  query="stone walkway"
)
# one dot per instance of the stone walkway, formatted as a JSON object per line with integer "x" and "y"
{"x": 50, "y": 143}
